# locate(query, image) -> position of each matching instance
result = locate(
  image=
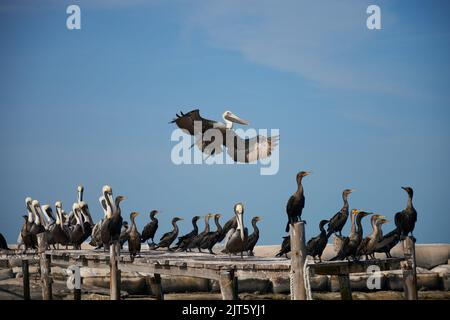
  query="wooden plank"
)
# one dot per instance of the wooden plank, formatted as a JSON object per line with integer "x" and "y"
{"x": 409, "y": 269}
{"x": 26, "y": 280}
{"x": 45, "y": 262}
{"x": 298, "y": 257}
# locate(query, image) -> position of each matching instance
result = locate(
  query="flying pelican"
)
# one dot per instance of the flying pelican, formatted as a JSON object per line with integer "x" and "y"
{"x": 239, "y": 149}
{"x": 238, "y": 237}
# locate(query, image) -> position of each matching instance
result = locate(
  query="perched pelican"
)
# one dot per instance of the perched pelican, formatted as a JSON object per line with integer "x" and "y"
{"x": 406, "y": 219}
{"x": 238, "y": 237}
{"x": 39, "y": 224}
{"x": 112, "y": 224}
{"x": 87, "y": 221}
{"x": 351, "y": 243}
{"x": 150, "y": 228}
{"x": 296, "y": 203}
{"x": 337, "y": 222}
{"x": 316, "y": 245}
{"x": 285, "y": 247}
{"x": 253, "y": 238}
{"x": 29, "y": 239}
{"x": 240, "y": 150}
{"x": 184, "y": 241}
{"x": 169, "y": 237}
{"x": 134, "y": 240}
{"x": 59, "y": 234}
{"x": 211, "y": 238}
{"x": 77, "y": 231}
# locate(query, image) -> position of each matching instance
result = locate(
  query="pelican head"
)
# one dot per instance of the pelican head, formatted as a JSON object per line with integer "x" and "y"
{"x": 75, "y": 206}
{"x": 355, "y": 211}
{"x": 107, "y": 190}
{"x": 28, "y": 201}
{"x": 80, "y": 189}
{"x": 45, "y": 207}
{"x": 58, "y": 204}
{"x": 35, "y": 203}
{"x": 230, "y": 118}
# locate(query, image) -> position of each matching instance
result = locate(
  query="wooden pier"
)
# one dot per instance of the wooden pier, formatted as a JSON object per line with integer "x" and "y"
{"x": 222, "y": 268}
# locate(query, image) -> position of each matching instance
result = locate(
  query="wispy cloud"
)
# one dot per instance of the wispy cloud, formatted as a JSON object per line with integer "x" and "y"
{"x": 326, "y": 42}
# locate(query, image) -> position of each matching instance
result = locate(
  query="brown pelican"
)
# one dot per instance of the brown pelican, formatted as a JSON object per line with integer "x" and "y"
{"x": 351, "y": 243}
{"x": 48, "y": 212}
{"x": 39, "y": 222}
{"x": 150, "y": 228}
{"x": 60, "y": 234}
{"x": 134, "y": 241}
{"x": 28, "y": 239}
{"x": 316, "y": 245}
{"x": 240, "y": 150}
{"x": 184, "y": 241}
{"x": 368, "y": 244}
{"x": 169, "y": 237}
{"x": 87, "y": 221}
{"x": 337, "y": 222}
{"x": 405, "y": 220}
{"x": 253, "y": 238}
{"x": 77, "y": 231}
{"x": 211, "y": 238}
{"x": 112, "y": 224}
{"x": 196, "y": 241}
{"x": 238, "y": 237}
{"x": 285, "y": 247}
{"x": 296, "y": 203}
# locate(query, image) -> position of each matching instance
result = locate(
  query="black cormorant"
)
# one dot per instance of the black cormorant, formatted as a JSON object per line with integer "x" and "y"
{"x": 150, "y": 228}
{"x": 183, "y": 241}
{"x": 285, "y": 247}
{"x": 169, "y": 237}
{"x": 230, "y": 224}
{"x": 253, "y": 238}
{"x": 3, "y": 243}
{"x": 296, "y": 202}
{"x": 195, "y": 243}
{"x": 351, "y": 243}
{"x": 134, "y": 240}
{"x": 211, "y": 238}
{"x": 124, "y": 234}
{"x": 316, "y": 245}
{"x": 337, "y": 222}
{"x": 406, "y": 219}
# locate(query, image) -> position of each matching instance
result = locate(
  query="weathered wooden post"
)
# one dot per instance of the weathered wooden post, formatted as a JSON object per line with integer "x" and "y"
{"x": 155, "y": 285}
{"x": 409, "y": 269}
{"x": 298, "y": 258}
{"x": 26, "y": 279}
{"x": 228, "y": 285}
{"x": 45, "y": 266}
{"x": 114, "y": 275}
{"x": 344, "y": 283}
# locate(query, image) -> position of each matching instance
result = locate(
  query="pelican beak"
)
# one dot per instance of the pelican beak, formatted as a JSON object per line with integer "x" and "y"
{"x": 240, "y": 225}
{"x": 234, "y": 118}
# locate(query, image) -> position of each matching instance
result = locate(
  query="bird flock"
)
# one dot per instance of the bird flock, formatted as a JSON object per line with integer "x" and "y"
{"x": 77, "y": 226}
{"x": 354, "y": 246}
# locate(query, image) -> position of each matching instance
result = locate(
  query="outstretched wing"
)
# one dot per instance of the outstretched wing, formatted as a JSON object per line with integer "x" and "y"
{"x": 187, "y": 121}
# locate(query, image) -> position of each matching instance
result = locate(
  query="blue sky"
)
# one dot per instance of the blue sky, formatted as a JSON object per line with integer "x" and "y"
{"x": 360, "y": 108}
